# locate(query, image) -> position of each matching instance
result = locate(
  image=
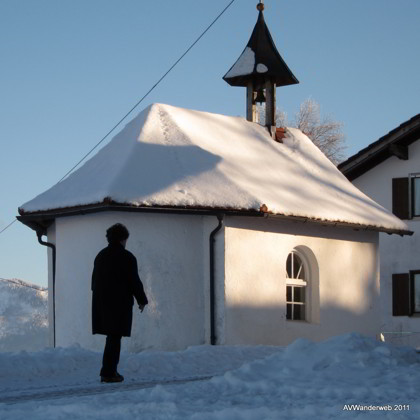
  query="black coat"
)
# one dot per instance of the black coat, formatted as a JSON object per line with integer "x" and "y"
{"x": 115, "y": 281}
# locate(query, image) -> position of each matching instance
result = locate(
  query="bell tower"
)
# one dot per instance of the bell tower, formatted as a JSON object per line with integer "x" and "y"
{"x": 260, "y": 68}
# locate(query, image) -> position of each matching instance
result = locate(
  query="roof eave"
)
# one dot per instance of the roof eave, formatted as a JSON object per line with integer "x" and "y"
{"x": 41, "y": 220}
{"x": 380, "y": 150}
{"x": 354, "y": 226}
{"x": 242, "y": 80}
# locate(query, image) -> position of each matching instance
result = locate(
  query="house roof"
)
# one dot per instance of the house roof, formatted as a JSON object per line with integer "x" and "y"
{"x": 259, "y": 60}
{"x": 174, "y": 158}
{"x": 392, "y": 144}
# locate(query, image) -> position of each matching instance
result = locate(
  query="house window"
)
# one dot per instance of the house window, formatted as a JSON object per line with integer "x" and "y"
{"x": 406, "y": 196}
{"x": 415, "y": 291}
{"x": 296, "y": 287}
{"x": 415, "y": 195}
{"x": 406, "y": 293}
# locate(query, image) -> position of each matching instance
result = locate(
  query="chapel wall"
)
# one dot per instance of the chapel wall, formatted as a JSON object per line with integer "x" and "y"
{"x": 169, "y": 253}
{"x": 343, "y": 281}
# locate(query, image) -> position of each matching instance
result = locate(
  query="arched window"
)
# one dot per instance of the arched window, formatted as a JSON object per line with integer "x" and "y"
{"x": 296, "y": 287}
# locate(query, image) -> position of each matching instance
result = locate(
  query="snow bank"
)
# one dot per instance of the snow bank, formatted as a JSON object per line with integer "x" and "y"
{"x": 23, "y": 316}
{"x": 349, "y": 369}
{"x": 177, "y": 157}
{"x": 344, "y": 377}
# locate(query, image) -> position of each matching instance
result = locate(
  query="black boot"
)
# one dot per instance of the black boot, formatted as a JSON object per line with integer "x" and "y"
{"x": 116, "y": 377}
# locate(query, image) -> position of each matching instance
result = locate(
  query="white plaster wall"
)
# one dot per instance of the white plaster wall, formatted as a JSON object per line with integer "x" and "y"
{"x": 169, "y": 250}
{"x": 344, "y": 281}
{"x": 398, "y": 254}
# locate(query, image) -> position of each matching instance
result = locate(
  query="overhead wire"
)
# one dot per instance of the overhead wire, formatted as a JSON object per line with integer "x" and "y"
{"x": 141, "y": 100}
{"x": 7, "y": 227}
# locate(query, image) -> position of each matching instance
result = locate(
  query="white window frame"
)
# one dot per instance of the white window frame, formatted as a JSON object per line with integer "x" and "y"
{"x": 296, "y": 282}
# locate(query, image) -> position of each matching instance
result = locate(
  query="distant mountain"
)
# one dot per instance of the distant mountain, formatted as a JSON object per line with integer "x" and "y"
{"x": 23, "y": 316}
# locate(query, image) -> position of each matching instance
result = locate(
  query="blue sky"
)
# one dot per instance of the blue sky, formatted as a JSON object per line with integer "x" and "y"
{"x": 71, "y": 69}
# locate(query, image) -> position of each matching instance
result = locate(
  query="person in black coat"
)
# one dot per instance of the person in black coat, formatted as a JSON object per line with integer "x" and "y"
{"x": 115, "y": 284}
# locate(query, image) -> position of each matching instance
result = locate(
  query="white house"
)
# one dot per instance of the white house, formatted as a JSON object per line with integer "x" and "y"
{"x": 388, "y": 170}
{"x": 244, "y": 234}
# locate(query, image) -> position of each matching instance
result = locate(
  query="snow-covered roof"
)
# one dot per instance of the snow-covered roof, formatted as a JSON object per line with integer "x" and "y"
{"x": 174, "y": 157}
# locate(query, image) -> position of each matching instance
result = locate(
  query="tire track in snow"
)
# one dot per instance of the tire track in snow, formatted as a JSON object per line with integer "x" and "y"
{"x": 104, "y": 388}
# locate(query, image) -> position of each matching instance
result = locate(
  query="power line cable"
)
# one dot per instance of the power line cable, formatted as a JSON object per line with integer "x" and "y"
{"x": 7, "y": 227}
{"x": 140, "y": 101}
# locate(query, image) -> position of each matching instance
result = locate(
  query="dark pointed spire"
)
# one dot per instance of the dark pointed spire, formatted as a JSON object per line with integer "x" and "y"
{"x": 260, "y": 59}
{"x": 260, "y": 69}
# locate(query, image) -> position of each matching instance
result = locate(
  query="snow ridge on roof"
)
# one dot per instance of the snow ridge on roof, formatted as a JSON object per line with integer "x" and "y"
{"x": 169, "y": 156}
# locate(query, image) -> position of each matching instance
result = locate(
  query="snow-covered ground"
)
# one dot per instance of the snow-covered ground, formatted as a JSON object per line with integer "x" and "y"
{"x": 349, "y": 376}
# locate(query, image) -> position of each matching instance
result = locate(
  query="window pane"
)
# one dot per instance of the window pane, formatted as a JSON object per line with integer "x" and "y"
{"x": 299, "y": 312}
{"x": 417, "y": 293}
{"x": 289, "y": 266}
{"x": 299, "y": 294}
{"x": 294, "y": 267}
{"x": 301, "y": 272}
{"x": 289, "y": 311}
{"x": 288, "y": 293}
{"x": 416, "y": 198}
{"x": 296, "y": 264}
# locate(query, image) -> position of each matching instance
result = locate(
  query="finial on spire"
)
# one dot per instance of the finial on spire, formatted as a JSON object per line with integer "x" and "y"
{"x": 260, "y": 6}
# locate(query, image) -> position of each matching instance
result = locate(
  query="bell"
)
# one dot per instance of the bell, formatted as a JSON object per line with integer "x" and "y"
{"x": 260, "y": 96}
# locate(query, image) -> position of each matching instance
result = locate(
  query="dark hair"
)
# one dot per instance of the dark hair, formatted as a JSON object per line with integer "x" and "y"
{"x": 117, "y": 233}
